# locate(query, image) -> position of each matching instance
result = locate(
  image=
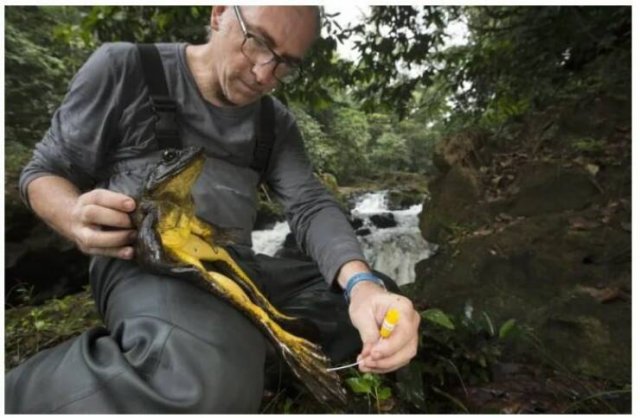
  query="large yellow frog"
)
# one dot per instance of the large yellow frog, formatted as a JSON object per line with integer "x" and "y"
{"x": 171, "y": 239}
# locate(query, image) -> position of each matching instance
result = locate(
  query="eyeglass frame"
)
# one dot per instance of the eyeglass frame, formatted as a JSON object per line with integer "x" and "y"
{"x": 295, "y": 67}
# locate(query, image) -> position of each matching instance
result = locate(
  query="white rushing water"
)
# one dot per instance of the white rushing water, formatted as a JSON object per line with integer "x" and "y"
{"x": 394, "y": 250}
{"x": 269, "y": 241}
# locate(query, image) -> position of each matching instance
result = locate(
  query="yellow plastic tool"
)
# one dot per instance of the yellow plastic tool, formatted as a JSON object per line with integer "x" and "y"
{"x": 389, "y": 323}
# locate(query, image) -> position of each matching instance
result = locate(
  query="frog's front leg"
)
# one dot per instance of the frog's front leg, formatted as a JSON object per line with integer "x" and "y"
{"x": 202, "y": 229}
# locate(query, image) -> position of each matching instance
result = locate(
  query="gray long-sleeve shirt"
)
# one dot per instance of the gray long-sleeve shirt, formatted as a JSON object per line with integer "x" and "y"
{"x": 102, "y": 135}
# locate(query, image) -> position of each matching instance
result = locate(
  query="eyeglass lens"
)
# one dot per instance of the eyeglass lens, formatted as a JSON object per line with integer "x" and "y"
{"x": 260, "y": 54}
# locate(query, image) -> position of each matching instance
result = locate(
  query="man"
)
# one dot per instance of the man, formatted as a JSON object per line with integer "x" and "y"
{"x": 169, "y": 346}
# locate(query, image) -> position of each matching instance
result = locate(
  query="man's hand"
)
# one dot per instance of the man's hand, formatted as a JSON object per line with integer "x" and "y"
{"x": 100, "y": 224}
{"x": 97, "y": 222}
{"x": 369, "y": 304}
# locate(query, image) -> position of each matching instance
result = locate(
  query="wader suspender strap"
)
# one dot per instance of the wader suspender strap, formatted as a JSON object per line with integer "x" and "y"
{"x": 266, "y": 138}
{"x": 163, "y": 105}
{"x": 165, "y": 108}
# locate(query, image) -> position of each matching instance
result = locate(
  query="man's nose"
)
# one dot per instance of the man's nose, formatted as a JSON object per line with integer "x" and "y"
{"x": 264, "y": 73}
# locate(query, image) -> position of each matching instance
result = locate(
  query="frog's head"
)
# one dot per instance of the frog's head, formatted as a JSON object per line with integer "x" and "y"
{"x": 176, "y": 172}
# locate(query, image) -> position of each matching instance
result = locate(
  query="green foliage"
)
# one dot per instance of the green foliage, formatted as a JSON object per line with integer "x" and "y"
{"x": 16, "y": 156}
{"x": 29, "y": 329}
{"x": 371, "y": 385}
{"x": 392, "y": 39}
{"x": 339, "y": 146}
{"x": 147, "y": 23}
{"x": 316, "y": 141}
{"x": 37, "y": 69}
{"x": 588, "y": 145}
{"x": 522, "y": 58}
{"x": 390, "y": 151}
{"x": 453, "y": 351}
{"x": 350, "y": 132}
{"x": 439, "y": 318}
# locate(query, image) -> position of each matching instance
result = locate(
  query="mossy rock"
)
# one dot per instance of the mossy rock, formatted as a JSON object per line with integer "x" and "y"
{"x": 405, "y": 198}
{"x": 453, "y": 204}
{"x": 269, "y": 213}
{"x": 548, "y": 188}
{"x": 530, "y": 272}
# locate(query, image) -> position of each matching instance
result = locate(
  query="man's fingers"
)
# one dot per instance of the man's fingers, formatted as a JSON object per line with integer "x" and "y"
{"x": 398, "y": 359}
{"x": 91, "y": 238}
{"x": 104, "y": 216}
{"x": 366, "y": 350}
{"x": 109, "y": 199}
{"x": 378, "y": 370}
{"x": 404, "y": 331}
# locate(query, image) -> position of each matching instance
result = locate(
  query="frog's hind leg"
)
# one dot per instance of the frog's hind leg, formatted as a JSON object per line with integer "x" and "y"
{"x": 305, "y": 358}
{"x": 201, "y": 250}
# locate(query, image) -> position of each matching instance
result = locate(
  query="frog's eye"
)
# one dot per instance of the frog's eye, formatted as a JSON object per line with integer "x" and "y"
{"x": 169, "y": 155}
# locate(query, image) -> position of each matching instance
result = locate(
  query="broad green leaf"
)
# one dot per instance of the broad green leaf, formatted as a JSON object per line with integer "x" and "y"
{"x": 507, "y": 328}
{"x": 438, "y": 317}
{"x": 359, "y": 385}
{"x": 384, "y": 393}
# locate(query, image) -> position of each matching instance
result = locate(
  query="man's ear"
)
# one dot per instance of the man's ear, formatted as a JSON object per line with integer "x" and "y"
{"x": 216, "y": 13}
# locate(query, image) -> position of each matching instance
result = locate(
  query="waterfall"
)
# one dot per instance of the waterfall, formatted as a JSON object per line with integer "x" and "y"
{"x": 269, "y": 241}
{"x": 390, "y": 239}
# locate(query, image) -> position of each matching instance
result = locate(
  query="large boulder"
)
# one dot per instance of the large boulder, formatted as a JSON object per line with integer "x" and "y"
{"x": 453, "y": 204}
{"x": 572, "y": 287}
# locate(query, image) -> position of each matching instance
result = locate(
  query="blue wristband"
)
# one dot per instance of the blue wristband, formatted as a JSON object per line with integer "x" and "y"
{"x": 361, "y": 277}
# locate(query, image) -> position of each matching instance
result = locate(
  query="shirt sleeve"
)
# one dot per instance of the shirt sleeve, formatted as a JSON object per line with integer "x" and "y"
{"x": 320, "y": 226}
{"x": 83, "y": 127}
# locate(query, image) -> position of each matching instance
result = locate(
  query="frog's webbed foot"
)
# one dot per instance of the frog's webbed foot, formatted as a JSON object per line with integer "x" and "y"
{"x": 310, "y": 365}
{"x": 305, "y": 358}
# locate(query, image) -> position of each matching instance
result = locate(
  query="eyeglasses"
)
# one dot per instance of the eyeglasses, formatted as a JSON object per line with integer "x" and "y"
{"x": 259, "y": 53}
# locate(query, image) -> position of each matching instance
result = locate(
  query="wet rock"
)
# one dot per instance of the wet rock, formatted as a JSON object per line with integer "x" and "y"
{"x": 383, "y": 220}
{"x": 356, "y": 222}
{"x": 363, "y": 232}
{"x": 457, "y": 150}
{"x": 405, "y": 198}
{"x": 268, "y": 214}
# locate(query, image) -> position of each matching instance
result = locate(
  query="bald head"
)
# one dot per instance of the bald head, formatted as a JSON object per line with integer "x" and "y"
{"x": 310, "y": 15}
